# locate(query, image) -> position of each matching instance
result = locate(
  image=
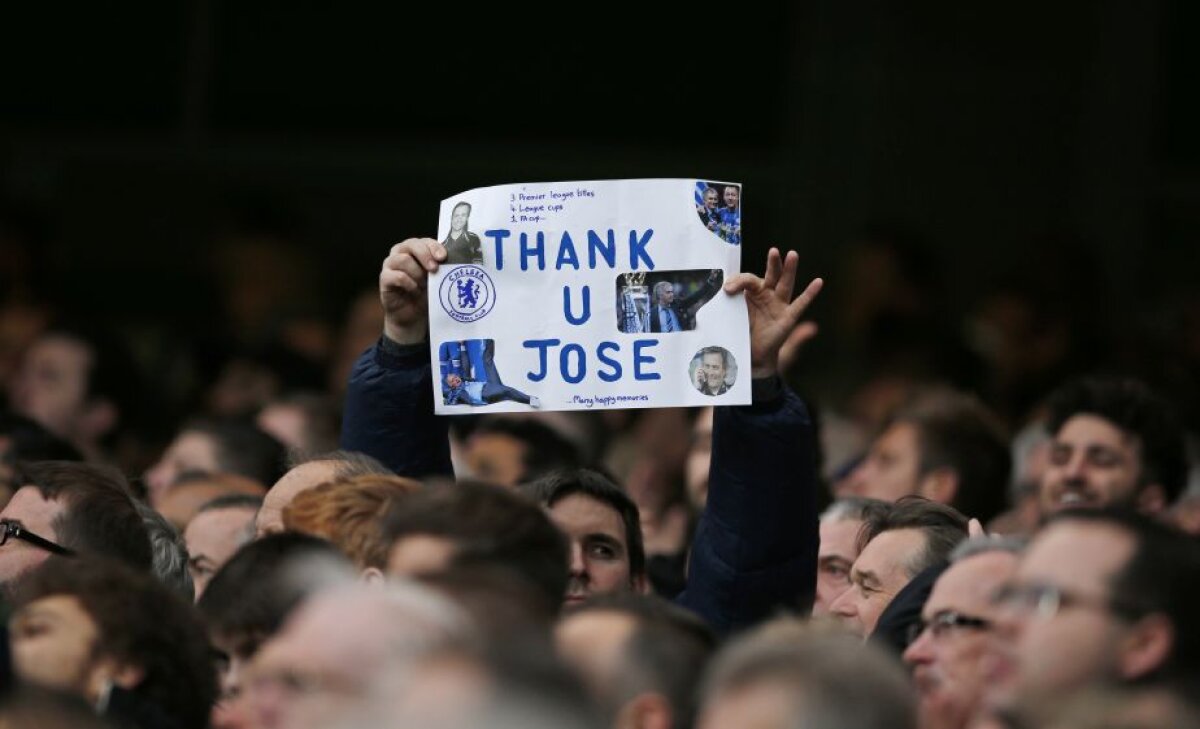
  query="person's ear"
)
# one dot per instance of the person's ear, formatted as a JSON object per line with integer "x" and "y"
{"x": 645, "y": 711}
{"x": 1152, "y": 499}
{"x": 940, "y": 485}
{"x": 107, "y": 673}
{"x": 372, "y": 577}
{"x": 1146, "y": 647}
{"x": 641, "y": 585}
{"x": 128, "y": 677}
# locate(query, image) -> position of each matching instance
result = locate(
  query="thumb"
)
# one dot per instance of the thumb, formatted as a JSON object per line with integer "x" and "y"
{"x": 743, "y": 282}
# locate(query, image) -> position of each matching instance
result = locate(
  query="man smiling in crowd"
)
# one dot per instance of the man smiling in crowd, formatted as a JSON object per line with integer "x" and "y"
{"x": 1115, "y": 442}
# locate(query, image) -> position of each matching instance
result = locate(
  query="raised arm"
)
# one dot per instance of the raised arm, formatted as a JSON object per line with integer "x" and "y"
{"x": 701, "y": 295}
{"x": 755, "y": 549}
{"x": 389, "y": 400}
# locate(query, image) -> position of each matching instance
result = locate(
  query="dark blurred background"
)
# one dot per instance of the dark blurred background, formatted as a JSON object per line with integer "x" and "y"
{"x": 998, "y": 194}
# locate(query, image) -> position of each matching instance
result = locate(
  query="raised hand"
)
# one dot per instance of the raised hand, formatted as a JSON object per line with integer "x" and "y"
{"x": 402, "y": 284}
{"x": 773, "y": 313}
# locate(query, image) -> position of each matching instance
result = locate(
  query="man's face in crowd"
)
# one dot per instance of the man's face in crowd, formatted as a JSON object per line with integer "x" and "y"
{"x": 301, "y": 478}
{"x": 53, "y": 641}
{"x": 213, "y": 537}
{"x": 320, "y": 664}
{"x": 1041, "y": 652}
{"x": 37, "y": 514}
{"x": 731, "y": 197}
{"x": 497, "y": 458}
{"x": 599, "y": 550}
{"x": 190, "y": 451}
{"x": 710, "y": 198}
{"x": 51, "y": 385}
{"x": 1093, "y": 463}
{"x": 713, "y": 366}
{"x": 891, "y": 468}
{"x": 835, "y": 557}
{"x": 458, "y": 218}
{"x": 947, "y": 660}
{"x": 877, "y": 575}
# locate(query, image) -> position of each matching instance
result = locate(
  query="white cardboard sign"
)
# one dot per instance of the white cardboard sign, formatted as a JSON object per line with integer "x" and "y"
{"x": 589, "y": 295}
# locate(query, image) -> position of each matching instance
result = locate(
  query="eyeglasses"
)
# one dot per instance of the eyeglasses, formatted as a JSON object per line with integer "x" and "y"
{"x": 10, "y": 529}
{"x": 1045, "y": 601}
{"x": 945, "y": 621}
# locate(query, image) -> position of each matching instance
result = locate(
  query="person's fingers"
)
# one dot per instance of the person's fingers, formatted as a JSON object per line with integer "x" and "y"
{"x": 391, "y": 279}
{"x": 743, "y": 282}
{"x": 423, "y": 250}
{"x": 437, "y": 250}
{"x": 975, "y": 529}
{"x": 797, "y": 307}
{"x": 787, "y": 281}
{"x": 397, "y": 258}
{"x": 408, "y": 265}
{"x": 774, "y": 269}
{"x": 799, "y": 336}
{"x": 804, "y": 332}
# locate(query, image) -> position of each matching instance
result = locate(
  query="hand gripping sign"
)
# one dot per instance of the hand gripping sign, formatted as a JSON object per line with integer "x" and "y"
{"x": 585, "y": 295}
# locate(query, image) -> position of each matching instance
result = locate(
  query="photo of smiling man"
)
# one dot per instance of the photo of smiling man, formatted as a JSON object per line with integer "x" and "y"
{"x": 713, "y": 371}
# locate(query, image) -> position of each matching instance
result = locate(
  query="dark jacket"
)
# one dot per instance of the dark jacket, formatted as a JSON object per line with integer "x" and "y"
{"x": 127, "y": 710}
{"x": 388, "y": 412}
{"x": 904, "y": 610}
{"x": 755, "y": 548}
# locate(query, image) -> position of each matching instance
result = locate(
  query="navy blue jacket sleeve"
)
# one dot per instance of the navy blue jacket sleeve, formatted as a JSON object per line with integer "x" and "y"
{"x": 755, "y": 549}
{"x": 388, "y": 411}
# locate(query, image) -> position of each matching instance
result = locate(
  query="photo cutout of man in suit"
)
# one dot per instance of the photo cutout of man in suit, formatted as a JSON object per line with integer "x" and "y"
{"x": 670, "y": 313}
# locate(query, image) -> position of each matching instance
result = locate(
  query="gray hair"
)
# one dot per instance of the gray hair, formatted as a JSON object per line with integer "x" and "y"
{"x": 425, "y": 620}
{"x": 848, "y": 508}
{"x": 662, "y": 286}
{"x": 988, "y": 543}
{"x": 418, "y": 621}
{"x": 832, "y": 681}
{"x": 169, "y": 553}
{"x": 349, "y": 464}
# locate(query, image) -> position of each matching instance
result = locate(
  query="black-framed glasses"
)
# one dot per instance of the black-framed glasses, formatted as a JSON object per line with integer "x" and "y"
{"x": 10, "y": 529}
{"x": 1045, "y": 601}
{"x": 944, "y": 621}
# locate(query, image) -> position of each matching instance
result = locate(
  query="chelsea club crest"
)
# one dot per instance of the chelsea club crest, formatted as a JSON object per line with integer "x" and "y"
{"x": 467, "y": 293}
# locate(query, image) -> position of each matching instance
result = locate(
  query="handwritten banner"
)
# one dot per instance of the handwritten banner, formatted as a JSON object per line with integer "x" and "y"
{"x": 586, "y": 295}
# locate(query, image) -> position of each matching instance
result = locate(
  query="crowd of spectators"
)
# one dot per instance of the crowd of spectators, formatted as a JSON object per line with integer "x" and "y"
{"x": 992, "y": 530}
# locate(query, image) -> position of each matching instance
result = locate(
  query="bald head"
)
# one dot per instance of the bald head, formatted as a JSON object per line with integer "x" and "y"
{"x": 301, "y": 478}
